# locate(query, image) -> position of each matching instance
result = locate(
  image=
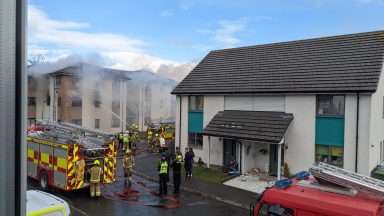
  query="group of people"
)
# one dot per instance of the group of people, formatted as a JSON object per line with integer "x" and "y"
{"x": 177, "y": 160}
{"x": 129, "y": 139}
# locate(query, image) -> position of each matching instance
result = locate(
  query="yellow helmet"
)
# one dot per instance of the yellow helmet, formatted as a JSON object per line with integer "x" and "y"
{"x": 128, "y": 151}
{"x": 96, "y": 162}
{"x": 157, "y": 135}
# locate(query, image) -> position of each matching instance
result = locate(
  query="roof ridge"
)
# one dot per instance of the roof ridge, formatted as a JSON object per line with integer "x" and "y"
{"x": 320, "y": 38}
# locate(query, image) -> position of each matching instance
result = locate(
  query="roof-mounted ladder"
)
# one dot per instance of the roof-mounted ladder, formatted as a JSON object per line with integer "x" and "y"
{"x": 348, "y": 179}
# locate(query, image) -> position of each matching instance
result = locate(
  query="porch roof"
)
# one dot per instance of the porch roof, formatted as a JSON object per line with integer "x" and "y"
{"x": 259, "y": 126}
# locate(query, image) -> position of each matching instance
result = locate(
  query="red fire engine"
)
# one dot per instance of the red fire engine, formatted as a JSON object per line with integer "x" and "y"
{"x": 60, "y": 154}
{"x": 304, "y": 196}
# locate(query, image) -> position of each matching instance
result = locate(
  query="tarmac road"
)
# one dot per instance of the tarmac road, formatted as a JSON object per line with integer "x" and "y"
{"x": 191, "y": 204}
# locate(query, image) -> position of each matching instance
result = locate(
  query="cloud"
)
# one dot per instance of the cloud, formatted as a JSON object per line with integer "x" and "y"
{"x": 69, "y": 38}
{"x": 166, "y": 13}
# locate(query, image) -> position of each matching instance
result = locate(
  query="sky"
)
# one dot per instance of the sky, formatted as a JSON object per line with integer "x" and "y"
{"x": 170, "y": 37}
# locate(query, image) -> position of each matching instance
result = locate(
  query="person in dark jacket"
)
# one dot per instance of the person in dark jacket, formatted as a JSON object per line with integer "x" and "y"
{"x": 168, "y": 156}
{"x": 176, "y": 166}
{"x": 188, "y": 160}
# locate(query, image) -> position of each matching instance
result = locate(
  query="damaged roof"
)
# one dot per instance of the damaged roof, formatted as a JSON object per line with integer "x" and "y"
{"x": 259, "y": 126}
{"x": 346, "y": 63}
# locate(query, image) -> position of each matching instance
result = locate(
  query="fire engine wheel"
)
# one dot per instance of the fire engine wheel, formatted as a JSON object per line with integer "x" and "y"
{"x": 43, "y": 181}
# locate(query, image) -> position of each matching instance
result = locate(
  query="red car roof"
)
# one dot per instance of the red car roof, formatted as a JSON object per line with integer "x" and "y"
{"x": 327, "y": 203}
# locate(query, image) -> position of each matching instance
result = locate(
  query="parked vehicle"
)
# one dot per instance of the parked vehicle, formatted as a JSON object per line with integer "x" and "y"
{"x": 42, "y": 203}
{"x": 305, "y": 196}
{"x": 61, "y": 155}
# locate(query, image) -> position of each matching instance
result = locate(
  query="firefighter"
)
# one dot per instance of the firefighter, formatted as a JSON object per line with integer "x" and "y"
{"x": 128, "y": 164}
{"x": 163, "y": 169}
{"x": 149, "y": 137}
{"x": 156, "y": 143}
{"x": 95, "y": 179}
{"x": 125, "y": 142}
{"x": 121, "y": 137}
{"x": 176, "y": 166}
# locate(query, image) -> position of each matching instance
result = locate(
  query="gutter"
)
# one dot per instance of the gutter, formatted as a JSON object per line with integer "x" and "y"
{"x": 357, "y": 130}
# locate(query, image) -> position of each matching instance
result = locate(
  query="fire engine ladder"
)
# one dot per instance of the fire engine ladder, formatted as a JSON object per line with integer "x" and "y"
{"x": 71, "y": 131}
{"x": 348, "y": 179}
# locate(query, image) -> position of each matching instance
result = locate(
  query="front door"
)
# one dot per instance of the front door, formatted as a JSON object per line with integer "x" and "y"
{"x": 273, "y": 159}
{"x": 229, "y": 151}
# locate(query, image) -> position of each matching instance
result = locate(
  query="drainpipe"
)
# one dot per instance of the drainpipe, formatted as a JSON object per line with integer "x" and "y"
{"x": 357, "y": 130}
{"x": 209, "y": 152}
{"x": 179, "y": 123}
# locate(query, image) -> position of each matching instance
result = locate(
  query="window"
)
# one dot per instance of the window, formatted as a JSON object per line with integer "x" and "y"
{"x": 31, "y": 101}
{"x": 115, "y": 122}
{"x": 330, "y": 105}
{"x": 59, "y": 101}
{"x": 96, "y": 98}
{"x": 31, "y": 120}
{"x": 195, "y": 139}
{"x": 76, "y": 101}
{"x": 330, "y": 154}
{"x": 196, "y": 103}
{"x": 263, "y": 211}
{"x": 58, "y": 81}
{"x": 381, "y": 151}
{"x": 97, "y": 123}
{"x": 77, "y": 121}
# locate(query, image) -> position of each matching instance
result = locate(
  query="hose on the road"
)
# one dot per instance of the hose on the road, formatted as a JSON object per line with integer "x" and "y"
{"x": 133, "y": 196}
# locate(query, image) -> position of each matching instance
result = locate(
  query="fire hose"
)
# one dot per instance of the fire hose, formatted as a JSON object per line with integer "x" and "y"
{"x": 133, "y": 196}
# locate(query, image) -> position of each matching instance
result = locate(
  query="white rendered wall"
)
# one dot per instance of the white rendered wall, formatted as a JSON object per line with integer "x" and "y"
{"x": 254, "y": 159}
{"x": 364, "y": 134}
{"x": 184, "y": 123}
{"x": 212, "y": 105}
{"x": 377, "y": 124}
{"x": 300, "y": 136}
{"x": 350, "y": 132}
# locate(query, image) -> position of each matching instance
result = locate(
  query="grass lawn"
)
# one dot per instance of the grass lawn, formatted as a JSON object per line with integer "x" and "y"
{"x": 207, "y": 174}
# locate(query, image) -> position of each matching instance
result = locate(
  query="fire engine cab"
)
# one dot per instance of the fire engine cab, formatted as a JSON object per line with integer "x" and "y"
{"x": 61, "y": 154}
{"x": 333, "y": 192}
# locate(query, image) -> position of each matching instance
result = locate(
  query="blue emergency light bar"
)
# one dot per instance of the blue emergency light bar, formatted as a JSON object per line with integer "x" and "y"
{"x": 302, "y": 175}
{"x": 283, "y": 183}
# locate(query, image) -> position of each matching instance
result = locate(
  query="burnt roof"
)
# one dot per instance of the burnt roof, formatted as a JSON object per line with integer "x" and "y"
{"x": 346, "y": 63}
{"x": 259, "y": 126}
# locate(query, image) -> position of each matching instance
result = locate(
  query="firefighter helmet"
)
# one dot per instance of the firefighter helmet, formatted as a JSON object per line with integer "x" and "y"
{"x": 156, "y": 135}
{"x": 96, "y": 162}
{"x": 128, "y": 151}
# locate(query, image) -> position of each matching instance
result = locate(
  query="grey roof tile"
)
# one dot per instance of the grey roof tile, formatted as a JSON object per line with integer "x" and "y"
{"x": 258, "y": 126}
{"x": 346, "y": 63}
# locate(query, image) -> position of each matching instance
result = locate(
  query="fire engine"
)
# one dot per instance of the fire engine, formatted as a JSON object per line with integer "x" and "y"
{"x": 60, "y": 155}
{"x": 332, "y": 192}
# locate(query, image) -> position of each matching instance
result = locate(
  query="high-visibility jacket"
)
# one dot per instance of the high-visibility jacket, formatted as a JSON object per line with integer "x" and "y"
{"x": 125, "y": 139}
{"x": 163, "y": 167}
{"x": 121, "y": 136}
{"x": 95, "y": 174}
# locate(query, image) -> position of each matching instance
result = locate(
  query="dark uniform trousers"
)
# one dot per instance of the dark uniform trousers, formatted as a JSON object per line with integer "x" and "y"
{"x": 177, "y": 181}
{"x": 163, "y": 183}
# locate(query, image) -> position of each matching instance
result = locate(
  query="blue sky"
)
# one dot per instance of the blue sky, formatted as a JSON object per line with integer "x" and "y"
{"x": 170, "y": 37}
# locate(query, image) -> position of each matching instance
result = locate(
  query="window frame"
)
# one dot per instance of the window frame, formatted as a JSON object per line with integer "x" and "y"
{"x": 195, "y": 144}
{"x": 31, "y": 101}
{"x": 196, "y": 107}
{"x": 77, "y": 103}
{"x": 76, "y": 121}
{"x": 115, "y": 122}
{"x": 331, "y": 99}
{"x": 97, "y": 123}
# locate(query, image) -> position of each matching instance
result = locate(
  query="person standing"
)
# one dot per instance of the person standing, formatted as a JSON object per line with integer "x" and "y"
{"x": 168, "y": 156}
{"x": 186, "y": 163}
{"x": 95, "y": 179}
{"x": 163, "y": 169}
{"x": 125, "y": 142}
{"x": 192, "y": 155}
{"x": 128, "y": 164}
{"x": 176, "y": 166}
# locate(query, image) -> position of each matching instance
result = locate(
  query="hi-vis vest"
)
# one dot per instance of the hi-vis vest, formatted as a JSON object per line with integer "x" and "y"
{"x": 128, "y": 162}
{"x": 163, "y": 167}
{"x": 125, "y": 139}
{"x": 121, "y": 136}
{"x": 95, "y": 174}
